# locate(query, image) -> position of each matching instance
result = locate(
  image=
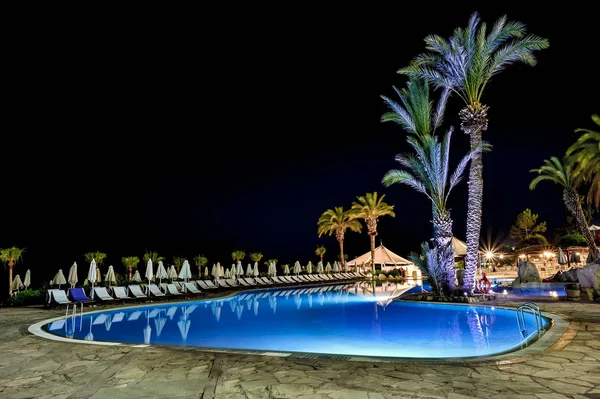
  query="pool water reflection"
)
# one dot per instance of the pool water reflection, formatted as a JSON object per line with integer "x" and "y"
{"x": 343, "y": 320}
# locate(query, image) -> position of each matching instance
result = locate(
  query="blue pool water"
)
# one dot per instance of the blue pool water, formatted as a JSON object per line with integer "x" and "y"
{"x": 324, "y": 320}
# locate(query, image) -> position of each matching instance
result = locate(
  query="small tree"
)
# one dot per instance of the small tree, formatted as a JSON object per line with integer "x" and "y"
{"x": 431, "y": 267}
{"x": 153, "y": 256}
{"x": 256, "y": 256}
{"x": 238, "y": 255}
{"x": 11, "y": 256}
{"x": 130, "y": 262}
{"x": 98, "y": 256}
{"x": 526, "y": 225}
{"x": 178, "y": 261}
{"x": 200, "y": 261}
{"x": 320, "y": 252}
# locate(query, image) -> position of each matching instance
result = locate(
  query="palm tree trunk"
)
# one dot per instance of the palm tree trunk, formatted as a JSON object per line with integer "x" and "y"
{"x": 372, "y": 238}
{"x": 442, "y": 234}
{"x": 10, "y": 270}
{"x": 321, "y": 256}
{"x": 342, "y": 252}
{"x": 130, "y": 272}
{"x": 571, "y": 199}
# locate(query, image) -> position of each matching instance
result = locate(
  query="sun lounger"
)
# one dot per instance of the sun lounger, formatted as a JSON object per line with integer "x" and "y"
{"x": 190, "y": 287}
{"x": 78, "y": 295}
{"x": 136, "y": 291}
{"x": 155, "y": 291}
{"x": 211, "y": 284}
{"x": 223, "y": 284}
{"x": 58, "y": 297}
{"x": 264, "y": 280}
{"x": 243, "y": 282}
{"x": 250, "y": 281}
{"x": 171, "y": 290}
{"x": 121, "y": 294}
{"x": 103, "y": 294}
{"x": 295, "y": 279}
{"x": 279, "y": 280}
{"x": 205, "y": 286}
{"x": 231, "y": 282}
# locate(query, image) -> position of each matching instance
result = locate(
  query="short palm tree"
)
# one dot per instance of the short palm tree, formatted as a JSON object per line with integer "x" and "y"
{"x": 370, "y": 208}
{"x": 200, "y": 262}
{"x": 11, "y": 256}
{"x": 238, "y": 255}
{"x": 97, "y": 256}
{"x": 337, "y": 221}
{"x": 130, "y": 262}
{"x": 320, "y": 252}
{"x": 586, "y": 153}
{"x": 561, "y": 172}
{"x": 153, "y": 256}
{"x": 428, "y": 172}
{"x": 464, "y": 64}
{"x": 429, "y": 263}
{"x": 256, "y": 256}
{"x": 178, "y": 262}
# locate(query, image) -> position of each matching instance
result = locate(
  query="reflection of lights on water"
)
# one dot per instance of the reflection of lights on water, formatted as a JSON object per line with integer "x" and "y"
{"x": 505, "y": 293}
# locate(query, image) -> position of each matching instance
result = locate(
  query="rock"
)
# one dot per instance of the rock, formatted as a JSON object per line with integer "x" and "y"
{"x": 528, "y": 273}
{"x": 570, "y": 276}
{"x": 460, "y": 276}
{"x": 589, "y": 276}
{"x": 382, "y": 276}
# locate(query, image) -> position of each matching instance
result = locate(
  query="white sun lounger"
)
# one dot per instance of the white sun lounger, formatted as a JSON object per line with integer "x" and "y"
{"x": 154, "y": 290}
{"x": 250, "y": 281}
{"x": 260, "y": 281}
{"x": 103, "y": 294}
{"x": 223, "y": 284}
{"x": 231, "y": 282}
{"x": 204, "y": 286}
{"x": 121, "y": 293}
{"x": 59, "y": 297}
{"x": 136, "y": 291}
{"x": 210, "y": 284}
{"x": 243, "y": 282}
{"x": 192, "y": 288}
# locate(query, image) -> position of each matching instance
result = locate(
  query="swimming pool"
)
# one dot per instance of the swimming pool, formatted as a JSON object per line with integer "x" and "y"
{"x": 330, "y": 320}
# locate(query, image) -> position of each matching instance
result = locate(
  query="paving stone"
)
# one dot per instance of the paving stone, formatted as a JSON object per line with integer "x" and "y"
{"x": 32, "y": 367}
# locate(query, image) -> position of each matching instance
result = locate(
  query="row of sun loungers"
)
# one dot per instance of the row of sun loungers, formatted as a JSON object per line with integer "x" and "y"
{"x": 186, "y": 289}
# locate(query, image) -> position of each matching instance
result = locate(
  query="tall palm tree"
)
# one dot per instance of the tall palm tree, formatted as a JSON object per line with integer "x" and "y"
{"x": 427, "y": 171}
{"x": 337, "y": 221}
{"x": 370, "y": 208}
{"x": 320, "y": 252}
{"x": 11, "y": 256}
{"x": 561, "y": 172}
{"x": 586, "y": 153}
{"x": 465, "y": 63}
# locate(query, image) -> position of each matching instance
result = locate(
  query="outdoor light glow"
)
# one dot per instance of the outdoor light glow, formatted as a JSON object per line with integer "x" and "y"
{"x": 489, "y": 255}
{"x": 522, "y": 256}
{"x": 505, "y": 293}
{"x": 501, "y": 256}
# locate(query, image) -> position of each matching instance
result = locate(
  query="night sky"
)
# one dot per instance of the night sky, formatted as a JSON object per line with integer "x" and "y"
{"x": 237, "y": 130}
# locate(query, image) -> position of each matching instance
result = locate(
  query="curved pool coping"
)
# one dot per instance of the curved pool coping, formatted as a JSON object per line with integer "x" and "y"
{"x": 556, "y": 336}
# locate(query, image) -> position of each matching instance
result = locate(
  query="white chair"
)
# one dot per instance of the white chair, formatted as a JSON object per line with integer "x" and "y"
{"x": 121, "y": 293}
{"x": 155, "y": 291}
{"x": 103, "y": 294}
{"x": 192, "y": 288}
{"x": 136, "y": 291}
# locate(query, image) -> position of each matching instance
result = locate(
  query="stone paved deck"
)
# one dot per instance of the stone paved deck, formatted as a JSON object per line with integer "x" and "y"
{"x": 33, "y": 367}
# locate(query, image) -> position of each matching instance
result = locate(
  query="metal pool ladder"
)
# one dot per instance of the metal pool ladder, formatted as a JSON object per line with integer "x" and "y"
{"x": 535, "y": 309}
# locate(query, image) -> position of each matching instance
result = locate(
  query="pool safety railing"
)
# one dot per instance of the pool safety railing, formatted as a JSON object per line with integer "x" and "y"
{"x": 74, "y": 310}
{"x": 537, "y": 314}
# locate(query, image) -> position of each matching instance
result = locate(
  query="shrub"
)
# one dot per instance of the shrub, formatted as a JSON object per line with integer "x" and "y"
{"x": 28, "y": 297}
{"x": 572, "y": 240}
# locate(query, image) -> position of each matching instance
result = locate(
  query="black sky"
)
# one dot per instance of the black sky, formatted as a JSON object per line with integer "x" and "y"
{"x": 208, "y": 132}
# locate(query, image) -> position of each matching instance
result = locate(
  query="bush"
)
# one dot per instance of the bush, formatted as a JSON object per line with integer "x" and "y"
{"x": 534, "y": 239}
{"x": 572, "y": 240}
{"x": 29, "y": 297}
